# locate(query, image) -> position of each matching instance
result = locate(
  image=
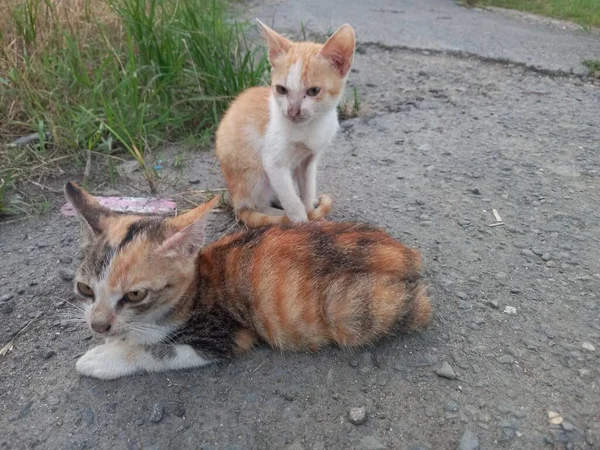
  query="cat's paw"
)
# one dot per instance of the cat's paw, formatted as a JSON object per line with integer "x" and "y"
{"x": 322, "y": 209}
{"x": 106, "y": 362}
{"x": 297, "y": 216}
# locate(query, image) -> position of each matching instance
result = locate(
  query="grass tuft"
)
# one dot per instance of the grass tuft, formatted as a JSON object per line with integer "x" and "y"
{"x": 593, "y": 65}
{"x": 350, "y": 108}
{"x": 107, "y": 76}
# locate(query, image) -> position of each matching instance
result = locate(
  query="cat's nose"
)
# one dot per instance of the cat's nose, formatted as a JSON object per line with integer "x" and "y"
{"x": 294, "y": 112}
{"x": 101, "y": 327}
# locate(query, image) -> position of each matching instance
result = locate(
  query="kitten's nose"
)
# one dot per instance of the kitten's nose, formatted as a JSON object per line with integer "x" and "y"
{"x": 101, "y": 327}
{"x": 293, "y": 112}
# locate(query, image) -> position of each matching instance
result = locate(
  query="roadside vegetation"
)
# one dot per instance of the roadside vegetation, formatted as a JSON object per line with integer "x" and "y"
{"x": 584, "y": 12}
{"x": 95, "y": 78}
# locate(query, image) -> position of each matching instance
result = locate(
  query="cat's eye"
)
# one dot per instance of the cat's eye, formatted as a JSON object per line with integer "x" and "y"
{"x": 281, "y": 90}
{"x": 85, "y": 290}
{"x": 136, "y": 296}
{"x": 313, "y": 91}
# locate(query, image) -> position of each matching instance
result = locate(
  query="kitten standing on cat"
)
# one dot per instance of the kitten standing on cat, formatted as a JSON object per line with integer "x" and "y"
{"x": 271, "y": 139}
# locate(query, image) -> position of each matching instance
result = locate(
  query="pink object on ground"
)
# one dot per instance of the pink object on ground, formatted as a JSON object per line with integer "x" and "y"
{"x": 131, "y": 205}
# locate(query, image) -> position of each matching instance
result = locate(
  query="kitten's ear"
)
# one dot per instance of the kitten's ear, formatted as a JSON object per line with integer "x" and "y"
{"x": 88, "y": 208}
{"x": 339, "y": 49}
{"x": 278, "y": 45}
{"x": 190, "y": 231}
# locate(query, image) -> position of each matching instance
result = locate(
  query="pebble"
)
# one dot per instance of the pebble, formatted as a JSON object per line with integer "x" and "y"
{"x": 418, "y": 447}
{"x": 461, "y": 295}
{"x": 462, "y": 304}
{"x": 47, "y": 353}
{"x": 6, "y": 297}
{"x": 357, "y": 416}
{"x": 7, "y": 309}
{"x": 537, "y": 251}
{"x": 425, "y": 360}
{"x": 469, "y": 441}
{"x": 464, "y": 222}
{"x": 515, "y": 291}
{"x": 527, "y": 253}
{"x": 446, "y": 371}
{"x": 156, "y": 414}
{"x": 178, "y": 410}
{"x": 87, "y": 416}
{"x": 451, "y": 407}
{"x": 506, "y": 359}
{"x": 21, "y": 291}
{"x": 551, "y": 264}
{"x": 66, "y": 274}
{"x": 194, "y": 181}
{"x": 371, "y": 443}
{"x": 494, "y": 304}
{"x": 65, "y": 260}
{"x": 588, "y": 346}
{"x": 530, "y": 344}
{"x": 500, "y": 275}
{"x": 366, "y": 362}
{"x": 509, "y": 430}
{"x": 546, "y": 257}
{"x": 567, "y": 426}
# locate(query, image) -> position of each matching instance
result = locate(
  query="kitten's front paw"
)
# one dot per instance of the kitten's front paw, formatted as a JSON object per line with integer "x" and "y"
{"x": 297, "y": 216}
{"x": 106, "y": 362}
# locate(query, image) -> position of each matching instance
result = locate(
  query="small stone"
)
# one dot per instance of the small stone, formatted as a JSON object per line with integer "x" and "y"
{"x": 462, "y": 304}
{"x": 371, "y": 443}
{"x": 34, "y": 314}
{"x": 139, "y": 422}
{"x": 476, "y": 191}
{"x": 446, "y": 371}
{"x": 353, "y": 363}
{"x": 66, "y": 274}
{"x": 469, "y": 441}
{"x": 464, "y": 222}
{"x": 527, "y": 253}
{"x": 510, "y": 310}
{"x": 178, "y": 410}
{"x": 47, "y": 353}
{"x": 506, "y": 359}
{"x": 357, "y": 416}
{"x": 515, "y": 290}
{"x": 418, "y": 447}
{"x": 538, "y": 252}
{"x": 501, "y": 275}
{"x": 567, "y": 426}
{"x": 194, "y": 181}
{"x": 549, "y": 332}
{"x": 451, "y": 407}
{"x": 551, "y": 264}
{"x": 509, "y": 430}
{"x": 156, "y": 414}
{"x": 461, "y": 295}
{"x": 531, "y": 345}
{"x": 6, "y": 297}
{"x": 7, "y": 309}
{"x": 87, "y": 416}
{"x": 21, "y": 291}
{"x": 425, "y": 360}
{"x": 554, "y": 418}
{"x": 588, "y": 346}
{"x": 65, "y": 260}
{"x": 366, "y": 362}
{"x": 546, "y": 257}
{"x": 493, "y": 303}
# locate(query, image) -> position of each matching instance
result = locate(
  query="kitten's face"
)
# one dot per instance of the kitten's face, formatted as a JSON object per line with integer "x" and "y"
{"x": 135, "y": 271}
{"x": 307, "y": 78}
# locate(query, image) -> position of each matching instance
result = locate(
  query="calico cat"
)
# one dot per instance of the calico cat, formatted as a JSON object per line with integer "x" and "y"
{"x": 163, "y": 301}
{"x": 271, "y": 138}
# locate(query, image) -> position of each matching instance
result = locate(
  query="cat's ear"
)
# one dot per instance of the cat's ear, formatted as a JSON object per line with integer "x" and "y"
{"x": 339, "y": 49}
{"x": 94, "y": 215}
{"x": 278, "y": 45}
{"x": 189, "y": 229}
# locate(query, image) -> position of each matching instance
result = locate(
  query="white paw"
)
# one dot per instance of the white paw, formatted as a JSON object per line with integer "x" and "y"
{"x": 311, "y": 205}
{"x": 297, "y": 216}
{"x": 106, "y": 362}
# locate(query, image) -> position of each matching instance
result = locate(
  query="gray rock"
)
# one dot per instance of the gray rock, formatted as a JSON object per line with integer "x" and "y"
{"x": 7, "y": 309}
{"x": 515, "y": 290}
{"x": 156, "y": 414}
{"x": 501, "y": 275}
{"x": 21, "y": 291}
{"x": 366, "y": 362}
{"x": 508, "y": 430}
{"x": 462, "y": 304}
{"x": 419, "y": 447}
{"x": 551, "y": 264}
{"x": 469, "y": 441}
{"x": 493, "y": 303}
{"x": 425, "y": 360}
{"x": 530, "y": 344}
{"x": 87, "y": 416}
{"x": 6, "y": 297}
{"x": 527, "y": 253}
{"x": 546, "y": 257}
{"x": 194, "y": 180}
{"x": 65, "y": 260}
{"x": 371, "y": 443}
{"x": 66, "y": 274}
{"x": 451, "y": 407}
{"x": 47, "y": 353}
{"x": 506, "y": 359}
{"x": 357, "y": 416}
{"x": 567, "y": 426}
{"x": 461, "y": 295}
{"x": 537, "y": 251}
{"x": 464, "y": 222}
{"x": 178, "y": 410}
{"x": 446, "y": 371}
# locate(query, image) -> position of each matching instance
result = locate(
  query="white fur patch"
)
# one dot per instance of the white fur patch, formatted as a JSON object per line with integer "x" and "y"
{"x": 294, "y": 78}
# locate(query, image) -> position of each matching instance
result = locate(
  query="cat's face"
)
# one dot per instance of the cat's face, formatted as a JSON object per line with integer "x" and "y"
{"x": 136, "y": 270}
{"x": 308, "y": 79}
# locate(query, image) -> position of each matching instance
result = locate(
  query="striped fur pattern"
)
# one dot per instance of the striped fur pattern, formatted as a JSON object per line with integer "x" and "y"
{"x": 164, "y": 301}
{"x": 271, "y": 139}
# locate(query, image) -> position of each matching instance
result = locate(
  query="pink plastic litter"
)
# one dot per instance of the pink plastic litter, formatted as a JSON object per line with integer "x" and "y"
{"x": 131, "y": 205}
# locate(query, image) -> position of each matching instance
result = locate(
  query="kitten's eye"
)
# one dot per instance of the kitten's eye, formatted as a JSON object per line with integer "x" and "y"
{"x": 281, "y": 90}
{"x": 136, "y": 296}
{"x": 313, "y": 91}
{"x": 85, "y": 290}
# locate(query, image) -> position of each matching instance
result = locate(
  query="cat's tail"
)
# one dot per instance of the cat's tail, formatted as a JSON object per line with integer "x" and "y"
{"x": 255, "y": 219}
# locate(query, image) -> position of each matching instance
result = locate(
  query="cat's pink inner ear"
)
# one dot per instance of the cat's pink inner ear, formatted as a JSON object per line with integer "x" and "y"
{"x": 278, "y": 45}
{"x": 339, "y": 49}
{"x": 187, "y": 241}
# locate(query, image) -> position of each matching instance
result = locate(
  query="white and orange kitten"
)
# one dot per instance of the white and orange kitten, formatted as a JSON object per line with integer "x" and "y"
{"x": 271, "y": 139}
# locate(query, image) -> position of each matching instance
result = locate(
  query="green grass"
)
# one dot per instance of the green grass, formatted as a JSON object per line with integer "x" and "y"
{"x": 583, "y": 12}
{"x": 593, "y": 66}
{"x": 106, "y": 76}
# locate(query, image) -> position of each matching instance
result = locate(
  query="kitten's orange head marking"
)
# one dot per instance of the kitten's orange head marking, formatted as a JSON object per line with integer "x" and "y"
{"x": 126, "y": 254}
{"x": 308, "y": 78}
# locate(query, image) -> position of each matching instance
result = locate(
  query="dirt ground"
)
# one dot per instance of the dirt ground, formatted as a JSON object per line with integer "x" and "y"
{"x": 444, "y": 141}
